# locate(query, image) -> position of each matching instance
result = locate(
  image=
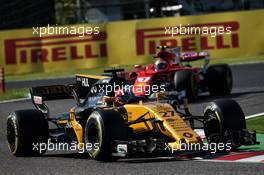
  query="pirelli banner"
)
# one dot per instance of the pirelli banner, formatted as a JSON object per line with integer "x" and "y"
{"x": 130, "y": 42}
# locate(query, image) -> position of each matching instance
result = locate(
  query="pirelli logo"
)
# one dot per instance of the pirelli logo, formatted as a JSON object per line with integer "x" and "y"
{"x": 54, "y": 48}
{"x": 147, "y": 39}
{"x": 58, "y": 48}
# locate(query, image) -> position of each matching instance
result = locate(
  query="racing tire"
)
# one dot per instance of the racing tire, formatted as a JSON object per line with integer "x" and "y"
{"x": 219, "y": 79}
{"x": 102, "y": 128}
{"x": 185, "y": 80}
{"x": 26, "y": 128}
{"x": 221, "y": 117}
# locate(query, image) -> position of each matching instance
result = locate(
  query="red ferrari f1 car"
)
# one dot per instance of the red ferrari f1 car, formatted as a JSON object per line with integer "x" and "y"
{"x": 172, "y": 71}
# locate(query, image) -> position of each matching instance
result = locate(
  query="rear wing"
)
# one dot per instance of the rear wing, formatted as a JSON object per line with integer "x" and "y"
{"x": 187, "y": 56}
{"x": 51, "y": 92}
{"x": 40, "y": 94}
{"x": 193, "y": 56}
{"x": 78, "y": 91}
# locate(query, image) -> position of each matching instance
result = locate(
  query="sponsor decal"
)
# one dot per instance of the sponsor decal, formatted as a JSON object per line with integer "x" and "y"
{"x": 149, "y": 38}
{"x": 46, "y": 90}
{"x": 188, "y": 135}
{"x": 37, "y": 100}
{"x": 122, "y": 148}
{"x": 54, "y": 48}
{"x": 85, "y": 82}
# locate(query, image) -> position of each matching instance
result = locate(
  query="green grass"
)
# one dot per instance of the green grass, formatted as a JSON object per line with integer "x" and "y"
{"x": 13, "y": 94}
{"x": 68, "y": 73}
{"x": 256, "y": 124}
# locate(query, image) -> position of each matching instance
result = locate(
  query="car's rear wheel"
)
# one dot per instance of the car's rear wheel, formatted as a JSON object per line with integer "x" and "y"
{"x": 102, "y": 128}
{"x": 221, "y": 118}
{"x": 185, "y": 80}
{"x": 219, "y": 79}
{"x": 27, "y": 133}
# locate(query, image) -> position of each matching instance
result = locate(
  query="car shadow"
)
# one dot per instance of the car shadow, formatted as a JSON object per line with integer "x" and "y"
{"x": 121, "y": 160}
{"x": 151, "y": 160}
{"x": 187, "y": 156}
{"x": 69, "y": 155}
{"x": 128, "y": 160}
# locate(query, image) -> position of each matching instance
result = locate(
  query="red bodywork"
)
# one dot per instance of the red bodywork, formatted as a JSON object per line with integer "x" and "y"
{"x": 143, "y": 77}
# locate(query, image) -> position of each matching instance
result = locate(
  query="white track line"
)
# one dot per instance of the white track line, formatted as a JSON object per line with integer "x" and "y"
{"x": 255, "y": 115}
{"x": 14, "y": 100}
{"x": 229, "y": 161}
{"x": 259, "y": 158}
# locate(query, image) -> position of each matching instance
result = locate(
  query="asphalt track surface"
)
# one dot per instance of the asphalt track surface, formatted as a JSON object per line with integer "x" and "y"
{"x": 248, "y": 91}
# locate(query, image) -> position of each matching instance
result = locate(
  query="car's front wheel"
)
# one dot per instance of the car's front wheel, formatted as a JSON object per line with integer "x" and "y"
{"x": 102, "y": 128}
{"x": 185, "y": 80}
{"x": 223, "y": 119}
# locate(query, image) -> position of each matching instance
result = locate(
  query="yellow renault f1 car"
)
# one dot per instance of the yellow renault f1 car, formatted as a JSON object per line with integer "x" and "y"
{"x": 112, "y": 130}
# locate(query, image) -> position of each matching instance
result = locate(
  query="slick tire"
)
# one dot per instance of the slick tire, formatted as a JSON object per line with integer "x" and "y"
{"x": 221, "y": 116}
{"x": 185, "y": 80}
{"x": 102, "y": 128}
{"x": 219, "y": 79}
{"x": 26, "y": 128}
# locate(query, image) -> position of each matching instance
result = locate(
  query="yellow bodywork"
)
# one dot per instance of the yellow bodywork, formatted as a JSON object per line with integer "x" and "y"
{"x": 173, "y": 127}
{"x": 171, "y": 124}
{"x": 77, "y": 127}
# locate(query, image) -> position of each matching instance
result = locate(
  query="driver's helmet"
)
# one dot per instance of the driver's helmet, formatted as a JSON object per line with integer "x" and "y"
{"x": 160, "y": 65}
